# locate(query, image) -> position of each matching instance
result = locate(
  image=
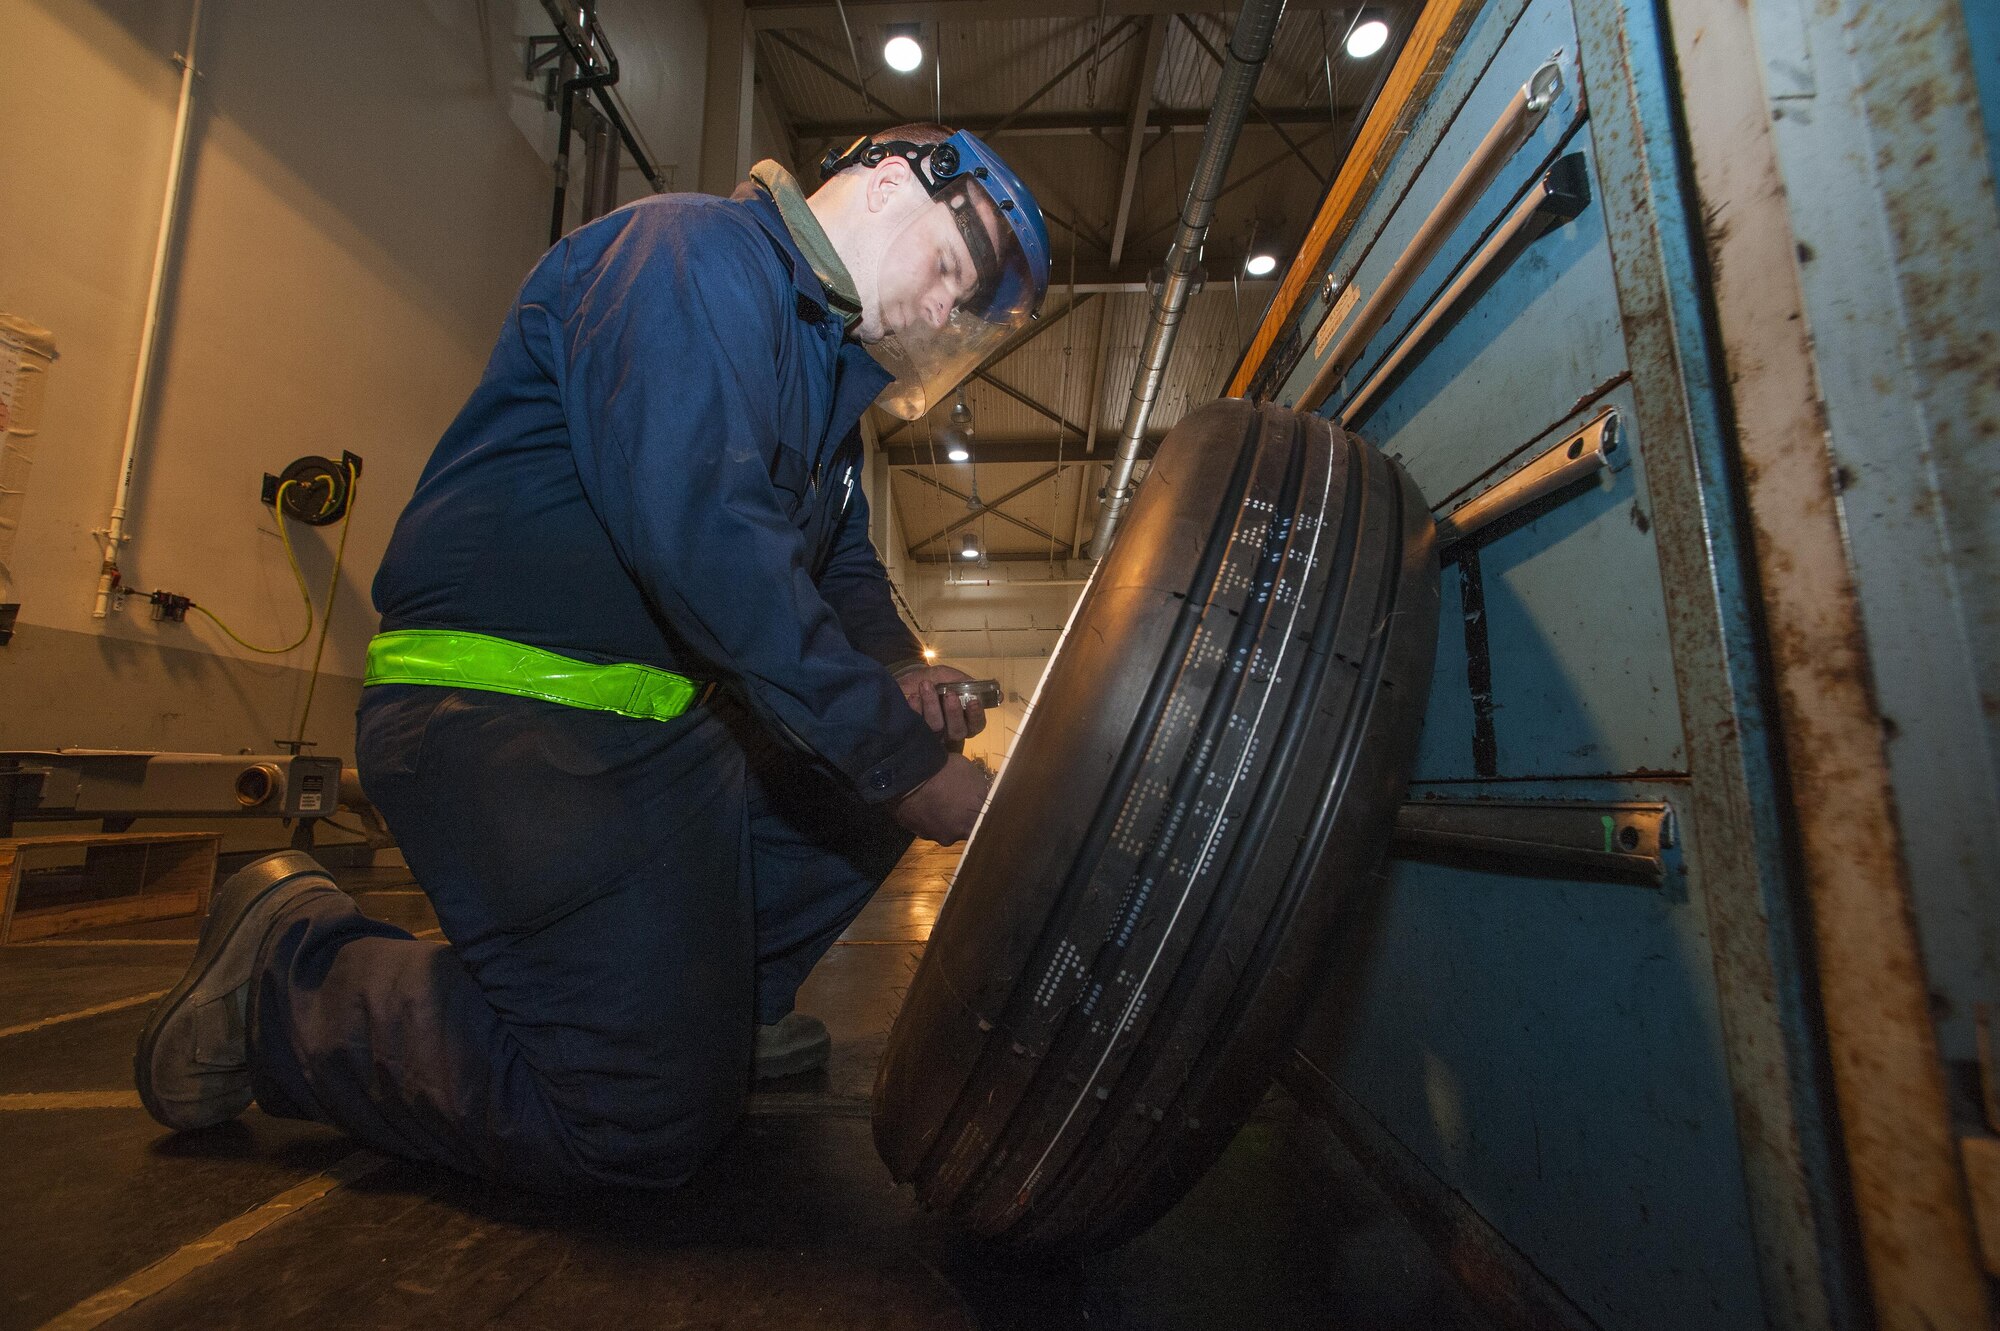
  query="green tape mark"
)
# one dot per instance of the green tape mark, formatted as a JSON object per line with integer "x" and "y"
{"x": 1609, "y": 827}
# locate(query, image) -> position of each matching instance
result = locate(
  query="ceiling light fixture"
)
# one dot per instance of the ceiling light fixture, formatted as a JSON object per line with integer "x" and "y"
{"x": 903, "y": 52}
{"x": 1261, "y": 265}
{"x": 1367, "y": 38}
{"x": 958, "y": 434}
{"x": 969, "y": 547}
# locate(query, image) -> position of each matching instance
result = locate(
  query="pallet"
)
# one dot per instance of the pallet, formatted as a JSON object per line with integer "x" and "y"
{"x": 120, "y": 878}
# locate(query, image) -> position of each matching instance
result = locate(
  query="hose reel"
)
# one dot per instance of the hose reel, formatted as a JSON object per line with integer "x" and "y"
{"x": 319, "y": 489}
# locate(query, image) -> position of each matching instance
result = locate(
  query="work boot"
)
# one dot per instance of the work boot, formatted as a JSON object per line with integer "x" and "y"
{"x": 193, "y": 1062}
{"x": 792, "y": 1044}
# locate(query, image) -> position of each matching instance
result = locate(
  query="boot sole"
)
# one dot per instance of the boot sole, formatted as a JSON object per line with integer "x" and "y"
{"x": 233, "y": 904}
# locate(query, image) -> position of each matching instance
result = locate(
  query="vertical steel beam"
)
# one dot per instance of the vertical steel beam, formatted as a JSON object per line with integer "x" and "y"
{"x": 727, "y": 101}
{"x": 795, "y": 161}
{"x": 1135, "y": 138}
{"x": 1758, "y": 935}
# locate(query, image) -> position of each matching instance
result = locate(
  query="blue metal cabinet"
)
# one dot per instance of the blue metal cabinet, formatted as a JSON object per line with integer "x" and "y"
{"x": 1622, "y": 1081}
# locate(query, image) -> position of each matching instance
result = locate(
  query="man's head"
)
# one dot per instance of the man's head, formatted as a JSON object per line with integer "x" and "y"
{"x": 946, "y": 247}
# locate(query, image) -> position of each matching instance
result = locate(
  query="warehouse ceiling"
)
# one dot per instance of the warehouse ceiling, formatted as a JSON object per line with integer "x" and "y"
{"x": 1056, "y": 86}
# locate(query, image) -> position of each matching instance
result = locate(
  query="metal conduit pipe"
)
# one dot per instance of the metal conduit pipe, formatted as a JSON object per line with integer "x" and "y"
{"x": 570, "y": 89}
{"x": 114, "y": 534}
{"x": 1248, "y": 46}
{"x": 583, "y": 37}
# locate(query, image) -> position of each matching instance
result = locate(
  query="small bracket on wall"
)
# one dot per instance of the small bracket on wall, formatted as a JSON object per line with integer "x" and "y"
{"x": 1622, "y": 841}
{"x": 171, "y": 607}
{"x": 1574, "y": 458}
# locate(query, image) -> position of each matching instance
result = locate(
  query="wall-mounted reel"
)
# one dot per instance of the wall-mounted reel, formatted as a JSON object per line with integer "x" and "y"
{"x": 320, "y": 488}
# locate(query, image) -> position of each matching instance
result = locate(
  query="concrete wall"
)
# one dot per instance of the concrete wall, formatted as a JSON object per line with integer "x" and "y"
{"x": 360, "y": 203}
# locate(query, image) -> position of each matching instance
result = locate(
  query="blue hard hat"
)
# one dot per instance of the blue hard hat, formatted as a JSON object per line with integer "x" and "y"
{"x": 948, "y": 170}
{"x": 1011, "y": 196}
{"x": 1007, "y": 241}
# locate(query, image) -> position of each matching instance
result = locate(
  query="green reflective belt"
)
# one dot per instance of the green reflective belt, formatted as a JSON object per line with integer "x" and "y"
{"x": 476, "y": 661}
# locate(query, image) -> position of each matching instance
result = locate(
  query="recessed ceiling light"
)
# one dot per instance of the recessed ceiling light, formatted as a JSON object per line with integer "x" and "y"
{"x": 1260, "y": 265}
{"x": 1366, "y": 39}
{"x": 903, "y": 53}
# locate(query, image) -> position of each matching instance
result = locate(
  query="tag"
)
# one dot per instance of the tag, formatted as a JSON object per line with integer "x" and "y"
{"x": 1343, "y": 306}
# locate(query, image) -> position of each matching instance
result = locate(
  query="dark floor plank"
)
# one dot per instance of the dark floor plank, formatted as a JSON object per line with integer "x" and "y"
{"x": 92, "y": 1054}
{"x": 797, "y": 1225}
{"x": 93, "y": 1195}
{"x": 794, "y": 1225}
{"x": 41, "y": 982}
{"x": 183, "y": 927}
{"x": 895, "y": 917}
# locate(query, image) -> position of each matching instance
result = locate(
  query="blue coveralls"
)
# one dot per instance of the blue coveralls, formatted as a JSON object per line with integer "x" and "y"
{"x": 661, "y": 464}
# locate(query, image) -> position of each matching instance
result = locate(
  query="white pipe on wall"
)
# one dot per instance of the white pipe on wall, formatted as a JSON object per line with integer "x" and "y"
{"x": 114, "y": 532}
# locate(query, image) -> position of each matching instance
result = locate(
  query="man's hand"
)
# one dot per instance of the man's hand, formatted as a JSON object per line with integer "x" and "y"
{"x": 954, "y": 719}
{"x": 944, "y": 808}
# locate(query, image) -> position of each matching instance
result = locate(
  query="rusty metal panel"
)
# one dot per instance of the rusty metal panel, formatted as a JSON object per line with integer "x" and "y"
{"x": 1777, "y": 345}
{"x": 1898, "y": 262}
{"x": 1769, "y": 1005}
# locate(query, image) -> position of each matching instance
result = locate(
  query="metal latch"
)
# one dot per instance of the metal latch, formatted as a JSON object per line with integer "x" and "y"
{"x": 1625, "y": 841}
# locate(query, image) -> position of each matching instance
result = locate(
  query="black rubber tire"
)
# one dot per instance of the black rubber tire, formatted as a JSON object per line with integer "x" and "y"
{"x": 1239, "y": 693}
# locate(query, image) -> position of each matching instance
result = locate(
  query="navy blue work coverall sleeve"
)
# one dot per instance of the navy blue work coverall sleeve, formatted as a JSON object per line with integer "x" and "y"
{"x": 666, "y": 355}
{"x": 856, "y": 585}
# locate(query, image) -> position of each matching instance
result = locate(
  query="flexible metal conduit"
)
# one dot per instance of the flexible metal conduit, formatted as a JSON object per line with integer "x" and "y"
{"x": 1248, "y": 46}
{"x": 114, "y": 532}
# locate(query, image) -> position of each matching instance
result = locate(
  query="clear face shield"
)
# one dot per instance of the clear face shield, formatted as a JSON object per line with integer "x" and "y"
{"x": 930, "y": 360}
{"x": 996, "y": 247}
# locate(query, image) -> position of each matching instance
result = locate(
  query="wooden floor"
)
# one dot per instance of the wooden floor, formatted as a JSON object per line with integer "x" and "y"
{"x": 109, "y": 1220}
